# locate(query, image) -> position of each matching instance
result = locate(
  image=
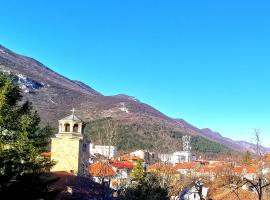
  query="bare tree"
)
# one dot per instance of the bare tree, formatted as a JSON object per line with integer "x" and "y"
{"x": 257, "y": 138}
{"x": 176, "y": 186}
{"x": 107, "y": 138}
{"x": 106, "y": 135}
{"x": 261, "y": 182}
{"x": 259, "y": 185}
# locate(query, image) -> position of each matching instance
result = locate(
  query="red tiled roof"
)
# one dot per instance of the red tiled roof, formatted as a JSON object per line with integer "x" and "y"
{"x": 216, "y": 163}
{"x": 206, "y": 169}
{"x": 122, "y": 164}
{"x": 251, "y": 169}
{"x": 212, "y": 168}
{"x": 128, "y": 157}
{"x": 186, "y": 165}
{"x": 223, "y": 167}
{"x": 159, "y": 167}
{"x": 238, "y": 169}
{"x": 200, "y": 169}
{"x": 245, "y": 169}
{"x": 155, "y": 166}
{"x": 101, "y": 168}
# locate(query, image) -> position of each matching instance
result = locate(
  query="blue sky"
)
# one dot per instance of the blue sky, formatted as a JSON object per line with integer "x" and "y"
{"x": 205, "y": 61}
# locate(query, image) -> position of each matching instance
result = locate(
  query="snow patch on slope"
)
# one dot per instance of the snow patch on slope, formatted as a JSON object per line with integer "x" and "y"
{"x": 26, "y": 84}
{"x": 2, "y": 51}
{"x": 123, "y": 108}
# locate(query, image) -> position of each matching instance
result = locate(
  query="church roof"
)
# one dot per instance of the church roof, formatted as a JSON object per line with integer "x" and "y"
{"x": 71, "y": 117}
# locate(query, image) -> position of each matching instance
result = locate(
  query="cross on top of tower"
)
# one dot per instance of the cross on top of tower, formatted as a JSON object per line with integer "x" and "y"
{"x": 73, "y": 111}
{"x": 72, "y": 117}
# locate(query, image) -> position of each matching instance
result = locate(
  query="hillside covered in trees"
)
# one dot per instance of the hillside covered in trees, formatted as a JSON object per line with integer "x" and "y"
{"x": 153, "y": 137}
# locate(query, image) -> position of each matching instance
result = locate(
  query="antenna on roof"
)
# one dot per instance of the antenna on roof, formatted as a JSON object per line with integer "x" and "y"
{"x": 186, "y": 143}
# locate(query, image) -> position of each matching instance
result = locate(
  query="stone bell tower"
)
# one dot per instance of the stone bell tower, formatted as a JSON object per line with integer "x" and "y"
{"x": 68, "y": 149}
{"x": 70, "y": 126}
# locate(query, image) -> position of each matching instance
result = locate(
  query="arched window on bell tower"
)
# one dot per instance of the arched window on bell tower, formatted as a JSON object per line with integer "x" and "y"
{"x": 76, "y": 128}
{"x": 67, "y": 127}
{"x": 70, "y": 125}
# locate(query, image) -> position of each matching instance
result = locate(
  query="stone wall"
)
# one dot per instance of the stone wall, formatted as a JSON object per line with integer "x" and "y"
{"x": 65, "y": 151}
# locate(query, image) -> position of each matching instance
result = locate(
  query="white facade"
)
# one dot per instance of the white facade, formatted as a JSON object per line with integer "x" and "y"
{"x": 165, "y": 158}
{"x": 181, "y": 156}
{"x": 107, "y": 151}
{"x": 249, "y": 176}
{"x": 192, "y": 194}
{"x": 176, "y": 157}
{"x": 139, "y": 153}
{"x": 148, "y": 157}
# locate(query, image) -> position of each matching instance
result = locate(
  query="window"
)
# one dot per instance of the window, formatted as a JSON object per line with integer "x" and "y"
{"x": 76, "y": 128}
{"x": 67, "y": 127}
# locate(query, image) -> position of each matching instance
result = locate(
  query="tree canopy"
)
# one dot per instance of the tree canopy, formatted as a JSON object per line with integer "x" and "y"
{"x": 247, "y": 158}
{"x": 138, "y": 172}
{"x": 147, "y": 188}
{"x": 21, "y": 140}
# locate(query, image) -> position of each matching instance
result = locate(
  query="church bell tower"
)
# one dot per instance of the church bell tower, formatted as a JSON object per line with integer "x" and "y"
{"x": 70, "y": 126}
{"x": 68, "y": 148}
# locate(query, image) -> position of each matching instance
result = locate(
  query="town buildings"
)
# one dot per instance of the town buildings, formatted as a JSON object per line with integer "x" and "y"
{"x": 80, "y": 158}
{"x": 179, "y": 156}
{"x": 147, "y": 156}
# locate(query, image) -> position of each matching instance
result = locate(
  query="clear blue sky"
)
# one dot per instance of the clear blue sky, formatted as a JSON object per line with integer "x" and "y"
{"x": 205, "y": 61}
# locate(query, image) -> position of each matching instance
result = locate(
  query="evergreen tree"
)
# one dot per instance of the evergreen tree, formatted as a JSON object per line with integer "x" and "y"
{"x": 247, "y": 158}
{"x": 21, "y": 142}
{"x": 138, "y": 172}
{"x": 148, "y": 188}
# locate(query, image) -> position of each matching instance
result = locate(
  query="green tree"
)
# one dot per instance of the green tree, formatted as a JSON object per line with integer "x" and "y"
{"x": 247, "y": 158}
{"x": 138, "y": 172}
{"x": 148, "y": 188}
{"x": 21, "y": 142}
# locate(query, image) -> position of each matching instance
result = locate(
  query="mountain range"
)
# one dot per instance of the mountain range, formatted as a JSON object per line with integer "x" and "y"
{"x": 54, "y": 95}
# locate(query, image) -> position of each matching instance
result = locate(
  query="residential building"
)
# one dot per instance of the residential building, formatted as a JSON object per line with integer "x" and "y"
{"x": 148, "y": 157}
{"x": 192, "y": 193}
{"x": 177, "y": 157}
{"x": 123, "y": 170}
{"x": 162, "y": 168}
{"x": 187, "y": 168}
{"x": 107, "y": 151}
{"x": 130, "y": 158}
{"x": 102, "y": 172}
